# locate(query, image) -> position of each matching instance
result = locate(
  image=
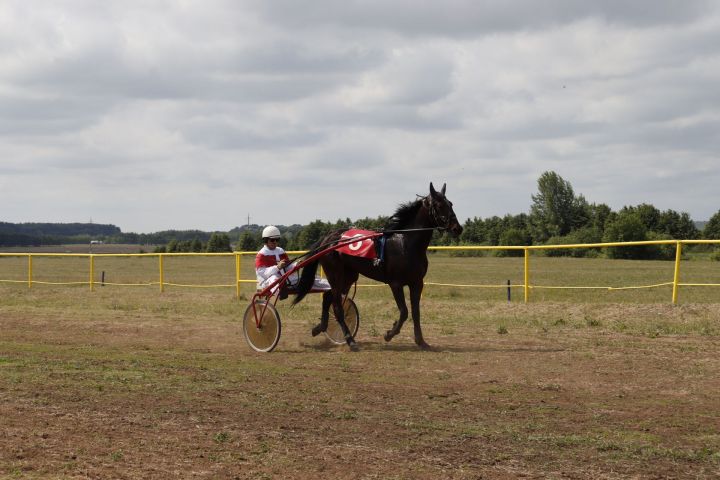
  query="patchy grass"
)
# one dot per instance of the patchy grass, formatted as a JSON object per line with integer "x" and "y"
{"x": 126, "y": 382}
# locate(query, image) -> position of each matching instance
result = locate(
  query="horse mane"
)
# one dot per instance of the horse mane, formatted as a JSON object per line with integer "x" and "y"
{"x": 404, "y": 214}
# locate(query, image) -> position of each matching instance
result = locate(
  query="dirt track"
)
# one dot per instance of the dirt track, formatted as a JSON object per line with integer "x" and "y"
{"x": 140, "y": 395}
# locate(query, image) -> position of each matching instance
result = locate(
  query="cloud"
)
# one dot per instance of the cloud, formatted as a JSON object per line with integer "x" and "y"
{"x": 463, "y": 18}
{"x": 150, "y": 115}
{"x": 234, "y": 134}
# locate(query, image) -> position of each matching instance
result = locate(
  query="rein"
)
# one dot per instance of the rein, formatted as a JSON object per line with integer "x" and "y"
{"x": 427, "y": 203}
{"x": 405, "y": 230}
{"x": 353, "y": 240}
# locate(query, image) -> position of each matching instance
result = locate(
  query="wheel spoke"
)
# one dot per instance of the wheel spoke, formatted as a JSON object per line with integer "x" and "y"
{"x": 266, "y": 337}
{"x": 352, "y": 320}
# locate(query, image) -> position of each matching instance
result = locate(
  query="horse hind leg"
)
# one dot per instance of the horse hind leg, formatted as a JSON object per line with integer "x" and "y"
{"x": 338, "y": 308}
{"x": 399, "y": 296}
{"x": 324, "y": 316}
{"x": 340, "y": 316}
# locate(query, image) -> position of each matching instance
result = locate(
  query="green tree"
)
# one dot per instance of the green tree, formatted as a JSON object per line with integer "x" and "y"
{"x": 172, "y": 246}
{"x": 513, "y": 237}
{"x": 581, "y": 235}
{"x": 196, "y": 245}
{"x": 493, "y": 229}
{"x": 473, "y": 232}
{"x": 311, "y": 233}
{"x": 248, "y": 242}
{"x": 184, "y": 246}
{"x": 219, "y": 242}
{"x": 368, "y": 223}
{"x": 677, "y": 225}
{"x": 712, "y": 228}
{"x": 626, "y": 227}
{"x": 342, "y": 224}
{"x": 666, "y": 224}
{"x": 556, "y": 210}
{"x": 660, "y": 252}
{"x": 648, "y": 215}
{"x": 599, "y": 215}
{"x": 518, "y": 222}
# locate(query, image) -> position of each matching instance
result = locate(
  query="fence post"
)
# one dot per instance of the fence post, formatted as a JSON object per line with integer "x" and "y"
{"x": 676, "y": 276}
{"x": 162, "y": 274}
{"x": 527, "y": 275}
{"x": 30, "y": 276}
{"x": 237, "y": 275}
{"x": 92, "y": 273}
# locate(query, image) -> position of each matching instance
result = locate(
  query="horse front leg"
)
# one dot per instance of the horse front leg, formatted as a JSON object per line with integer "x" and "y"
{"x": 324, "y": 315}
{"x": 399, "y": 296}
{"x": 415, "y": 293}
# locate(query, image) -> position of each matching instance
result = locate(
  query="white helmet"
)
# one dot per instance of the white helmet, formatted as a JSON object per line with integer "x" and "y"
{"x": 271, "y": 231}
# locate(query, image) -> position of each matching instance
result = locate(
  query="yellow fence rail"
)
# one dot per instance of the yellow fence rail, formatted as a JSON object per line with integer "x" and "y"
{"x": 526, "y": 285}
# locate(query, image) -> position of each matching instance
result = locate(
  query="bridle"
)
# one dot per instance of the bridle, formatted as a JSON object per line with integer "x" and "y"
{"x": 442, "y": 222}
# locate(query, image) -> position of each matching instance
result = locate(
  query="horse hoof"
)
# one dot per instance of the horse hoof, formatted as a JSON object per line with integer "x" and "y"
{"x": 352, "y": 344}
{"x": 317, "y": 330}
{"x": 388, "y": 336}
{"x": 424, "y": 346}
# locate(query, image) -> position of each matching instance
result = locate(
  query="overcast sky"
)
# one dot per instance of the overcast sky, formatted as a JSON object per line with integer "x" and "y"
{"x": 180, "y": 114}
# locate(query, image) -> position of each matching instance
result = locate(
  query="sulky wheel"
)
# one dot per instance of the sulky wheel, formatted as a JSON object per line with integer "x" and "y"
{"x": 265, "y": 338}
{"x": 352, "y": 320}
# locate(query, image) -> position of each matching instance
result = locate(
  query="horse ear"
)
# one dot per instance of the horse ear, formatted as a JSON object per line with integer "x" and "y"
{"x": 443, "y": 189}
{"x": 432, "y": 190}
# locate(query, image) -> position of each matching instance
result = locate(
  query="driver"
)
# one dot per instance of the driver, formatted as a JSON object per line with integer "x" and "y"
{"x": 271, "y": 263}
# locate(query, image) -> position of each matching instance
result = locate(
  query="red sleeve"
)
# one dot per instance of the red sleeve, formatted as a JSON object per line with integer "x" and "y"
{"x": 264, "y": 261}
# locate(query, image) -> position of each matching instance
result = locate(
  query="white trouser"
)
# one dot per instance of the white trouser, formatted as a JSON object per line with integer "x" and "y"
{"x": 293, "y": 279}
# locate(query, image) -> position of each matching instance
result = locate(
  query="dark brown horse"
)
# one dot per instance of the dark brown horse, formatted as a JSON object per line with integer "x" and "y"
{"x": 407, "y": 236}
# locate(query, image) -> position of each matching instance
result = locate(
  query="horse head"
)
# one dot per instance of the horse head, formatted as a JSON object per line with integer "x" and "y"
{"x": 441, "y": 211}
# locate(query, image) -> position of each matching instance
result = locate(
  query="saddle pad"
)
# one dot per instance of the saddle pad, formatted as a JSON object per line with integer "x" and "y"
{"x": 362, "y": 248}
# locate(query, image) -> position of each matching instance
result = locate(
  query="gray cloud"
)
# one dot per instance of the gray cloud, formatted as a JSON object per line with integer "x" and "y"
{"x": 461, "y": 18}
{"x": 224, "y": 135}
{"x": 285, "y": 56}
{"x": 150, "y": 114}
{"x": 46, "y": 116}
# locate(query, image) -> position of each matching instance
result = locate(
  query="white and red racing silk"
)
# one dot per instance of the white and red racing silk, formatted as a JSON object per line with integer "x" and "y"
{"x": 266, "y": 263}
{"x": 267, "y": 272}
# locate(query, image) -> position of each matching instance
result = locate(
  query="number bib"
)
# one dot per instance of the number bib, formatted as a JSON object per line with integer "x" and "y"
{"x": 362, "y": 248}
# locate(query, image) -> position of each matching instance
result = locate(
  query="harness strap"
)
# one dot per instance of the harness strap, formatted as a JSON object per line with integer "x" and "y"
{"x": 441, "y": 222}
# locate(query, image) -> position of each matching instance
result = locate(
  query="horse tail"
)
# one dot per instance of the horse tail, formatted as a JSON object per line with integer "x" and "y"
{"x": 306, "y": 282}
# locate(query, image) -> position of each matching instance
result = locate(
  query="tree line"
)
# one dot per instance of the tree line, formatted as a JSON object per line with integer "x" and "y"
{"x": 36, "y": 234}
{"x": 557, "y": 216}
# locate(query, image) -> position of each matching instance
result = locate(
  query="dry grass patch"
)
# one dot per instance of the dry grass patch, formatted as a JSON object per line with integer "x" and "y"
{"x": 128, "y": 383}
